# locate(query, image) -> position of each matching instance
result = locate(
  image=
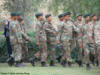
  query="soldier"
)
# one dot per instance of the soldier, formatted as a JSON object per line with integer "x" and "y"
{"x": 40, "y": 41}
{"x": 91, "y": 39}
{"x": 16, "y": 36}
{"x": 79, "y": 24}
{"x": 66, "y": 39}
{"x": 59, "y": 28}
{"x": 85, "y": 40}
{"x": 51, "y": 38}
{"x": 96, "y": 38}
{"x": 21, "y": 21}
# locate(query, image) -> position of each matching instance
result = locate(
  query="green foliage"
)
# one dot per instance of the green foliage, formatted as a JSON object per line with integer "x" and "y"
{"x": 76, "y": 6}
{"x": 31, "y": 47}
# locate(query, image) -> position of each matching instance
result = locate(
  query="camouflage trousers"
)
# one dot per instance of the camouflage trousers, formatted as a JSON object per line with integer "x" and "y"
{"x": 17, "y": 52}
{"x": 86, "y": 52}
{"x": 51, "y": 44}
{"x": 80, "y": 49}
{"x": 43, "y": 51}
{"x": 67, "y": 49}
{"x": 97, "y": 53}
{"x": 24, "y": 50}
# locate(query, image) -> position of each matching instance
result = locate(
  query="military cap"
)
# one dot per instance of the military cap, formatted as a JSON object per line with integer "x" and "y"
{"x": 93, "y": 15}
{"x": 18, "y": 13}
{"x": 60, "y": 15}
{"x": 78, "y": 15}
{"x": 13, "y": 14}
{"x": 86, "y": 15}
{"x": 38, "y": 14}
{"x": 48, "y": 15}
{"x": 67, "y": 13}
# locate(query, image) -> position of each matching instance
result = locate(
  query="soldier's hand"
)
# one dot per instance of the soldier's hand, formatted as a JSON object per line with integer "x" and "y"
{"x": 30, "y": 40}
{"x": 37, "y": 43}
{"x": 58, "y": 42}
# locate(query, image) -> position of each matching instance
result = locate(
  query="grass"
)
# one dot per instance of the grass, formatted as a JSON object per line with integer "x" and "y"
{"x": 1, "y": 32}
{"x": 29, "y": 70}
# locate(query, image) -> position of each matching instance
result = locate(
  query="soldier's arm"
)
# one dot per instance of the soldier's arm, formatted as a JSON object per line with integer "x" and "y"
{"x": 37, "y": 33}
{"x": 26, "y": 37}
{"x": 48, "y": 29}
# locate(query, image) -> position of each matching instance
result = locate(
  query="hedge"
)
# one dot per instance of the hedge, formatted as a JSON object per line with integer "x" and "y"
{"x": 32, "y": 49}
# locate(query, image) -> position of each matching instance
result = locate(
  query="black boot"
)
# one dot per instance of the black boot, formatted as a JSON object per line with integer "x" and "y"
{"x": 11, "y": 61}
{"x": 88, "y": 67}
{"x": 52, "y": 63}
{"x": 43, "y": 64}
{"x": 32, "y": 61}
{"x": 80, "y": 63}
{"x": 63, "y": 63}
{"x": 92, "y": 59}
{"x": 19, "y": 64}
{"x": 59, "y": 59}
{"x": 69, "y": 63}
{"x": 97, "y": 63}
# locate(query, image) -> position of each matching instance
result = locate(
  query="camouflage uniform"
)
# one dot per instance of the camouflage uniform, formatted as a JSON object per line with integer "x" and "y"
{"x": 24, "y": 46}
{"x": 97, "y": 40}
{"x": 66, "y": 39}
{"x": 79, "y": 25}
{"x": 51, "y": 39}
{"x": 92, "y": 44}
{"x": 59, "y": 33}
{"x": 16, "y": 40}
{"x": 41, "y": 38}
{"x": 85, "y": 42}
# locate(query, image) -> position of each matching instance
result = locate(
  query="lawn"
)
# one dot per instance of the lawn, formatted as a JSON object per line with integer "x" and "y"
{"x": 1, "y": 32}
{"x": 29, "y": 70}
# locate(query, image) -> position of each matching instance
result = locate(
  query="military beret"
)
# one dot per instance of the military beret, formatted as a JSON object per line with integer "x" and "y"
{"x": 86, "y": 15}
{"x": 60, "y": 15}
{"x": 78, "y": 15}
{"x": 13, "y": 14}
{"x": 93, "y": 15}
{"x": 67, "y": 13}
{"x": 48, "y": 15}
{"x": 18, "y": 13}
{"x": 38, "y": 14}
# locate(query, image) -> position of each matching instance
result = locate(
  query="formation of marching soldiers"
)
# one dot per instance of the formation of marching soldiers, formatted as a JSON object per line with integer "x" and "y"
{"x": 85, "y": 32}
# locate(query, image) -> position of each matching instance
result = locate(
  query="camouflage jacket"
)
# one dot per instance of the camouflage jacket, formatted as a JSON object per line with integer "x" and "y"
{"x": 79, "y": 25}
{"x": 97, "y": 32}
{"x": 50, "y": 30}
{"x": 15, "y": 32}
{"x": 67, "y": 30}
{"x": 40, "y": 31}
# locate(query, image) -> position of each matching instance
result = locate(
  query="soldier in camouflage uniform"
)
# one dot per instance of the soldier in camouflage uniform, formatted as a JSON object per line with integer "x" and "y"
{"x": 40, "y": 41}
{"x": 66, "y": 39}
{"x": 92, "y": 44}
{"x": 85, "y": 40}
{"x": 24, "y": 46}
{"x": 96, "y": 26}
{"x": 51, "y": 38}
{"x": 16, "y": 35}
{"x": 59, "y": 28}
{"x": 79, "y": 24}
